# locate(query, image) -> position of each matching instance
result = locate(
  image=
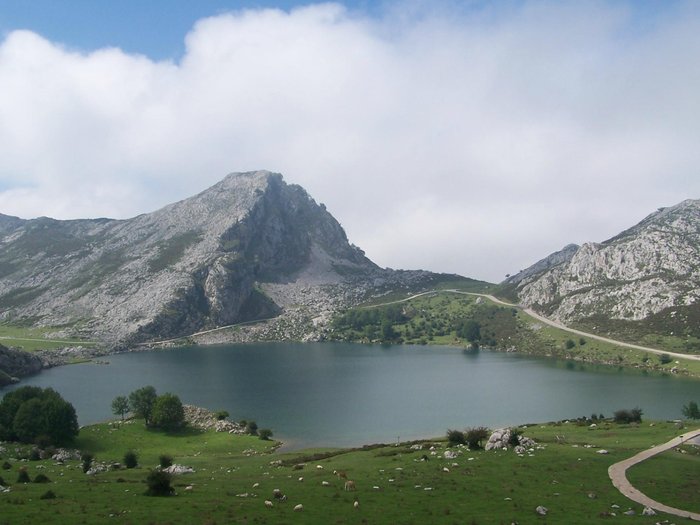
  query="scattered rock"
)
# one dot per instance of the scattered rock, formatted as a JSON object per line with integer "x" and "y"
{"x": 542, "y": 511}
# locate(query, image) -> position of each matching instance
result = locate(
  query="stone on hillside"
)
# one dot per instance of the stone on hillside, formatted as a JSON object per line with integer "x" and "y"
{"x": 176, "y": 469}
{"x": 648, "y": 511}
{"x": 542, "y": 511}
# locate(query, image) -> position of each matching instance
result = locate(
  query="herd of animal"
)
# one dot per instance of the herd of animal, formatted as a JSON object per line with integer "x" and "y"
{"x": 349, "y": 486}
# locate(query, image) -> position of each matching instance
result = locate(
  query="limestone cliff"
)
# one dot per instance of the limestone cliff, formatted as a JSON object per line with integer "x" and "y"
{"x": 649, "y": 270}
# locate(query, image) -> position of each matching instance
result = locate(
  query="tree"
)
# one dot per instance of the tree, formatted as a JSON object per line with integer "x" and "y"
{"x": 120, "y": 406}
{"x": 158, "y": 483}
{"x": 33, "y": 414}
{"x": 167, "y": 412}
{"x": 569, "y": 344}
{"x": 691, "y": 410}
{"x": 252, "y": 428}
{"x": 265, "y": 434}
{"x": 141, "y": 402}
{"x": 475, "y": 437}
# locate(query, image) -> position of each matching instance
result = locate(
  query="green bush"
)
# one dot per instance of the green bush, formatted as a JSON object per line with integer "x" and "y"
{"x": 159, "y": 484}
{"x": 165, "y": 461}
{"x": 23, "y": 476}
{"x": 691, "y": 410}
{"x": 475, "y": 437}
{"x": 628, "y": 416}
{"x": 665, "y": 359}
{"x": 221, "y": 415}
{"x": 2, "y": 482}
{"x": 456, "y": 437}
{"x": 6, "y": 465}
{"x": 42, "y": 478}
{"x": 49, "y": 494}
{"x": 86, "y": 461}
{"x": 131, "y": 460}
{"x": 252, "y": 428}
{"x": 569, "y": 344}
{"x": 514, "y": 439}
{"x": 265, "y": 434}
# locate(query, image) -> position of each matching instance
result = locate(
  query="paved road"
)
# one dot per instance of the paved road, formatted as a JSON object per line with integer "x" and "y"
{"x": 617, "y": 473}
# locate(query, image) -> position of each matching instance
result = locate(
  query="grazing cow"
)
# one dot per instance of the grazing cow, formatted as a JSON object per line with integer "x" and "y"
{"x": 349, "y": 485}
{"x": 340, "y": 474}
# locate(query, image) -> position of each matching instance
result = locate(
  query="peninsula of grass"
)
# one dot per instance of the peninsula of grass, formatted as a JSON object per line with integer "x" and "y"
{"x": 411, "y": 483}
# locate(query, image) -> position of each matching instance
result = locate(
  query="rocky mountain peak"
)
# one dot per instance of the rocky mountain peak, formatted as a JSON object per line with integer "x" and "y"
{"x": 652, "y": 268}
{"x": 199, "y": 263}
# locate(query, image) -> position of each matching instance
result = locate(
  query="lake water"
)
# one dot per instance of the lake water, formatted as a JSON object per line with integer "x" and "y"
{"x": 344, "y": 394}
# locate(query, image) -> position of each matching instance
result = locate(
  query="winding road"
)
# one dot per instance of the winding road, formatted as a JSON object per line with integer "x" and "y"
{"x": 617, "y": 473}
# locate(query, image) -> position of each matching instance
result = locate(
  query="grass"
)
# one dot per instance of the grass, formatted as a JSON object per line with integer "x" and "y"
{"x": 393, "y": 485}
{"x": 670, "y": 477}
{"x": 32, "y": 339}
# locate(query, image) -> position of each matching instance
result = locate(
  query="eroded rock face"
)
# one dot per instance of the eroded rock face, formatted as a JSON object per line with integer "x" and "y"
{"x": 249, "y": 247}
{"x": 650, "y": 268}
{"x": 16, "y": 363}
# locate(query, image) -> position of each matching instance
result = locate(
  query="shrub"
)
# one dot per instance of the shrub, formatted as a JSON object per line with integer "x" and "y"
{"x": 514, "y": 439}
{"x": 2, "y": 482}
{"x": 456, "y": 437}
{"x": 475, "y": 436}
{"x": 6, "y": 465}
{"x": 49, "y": 494}
{"x": 86, "y": 459}
{"x": 165, "y": 461}
{"x": 691, "y": 410}
{"x": 265, "y": 434}
{"x": 42, "y": 478}
{"x": 569, "y": 344}
{"x": 628, "y": 416}
{"x": 131, "y": 460}
{"x": 252, "y": 428}
{"x": 23, "y": 476}
{"x": 665, "y": 359}
{"x": 34, "y": 455}
{"x": 159, "y": 484}
{"x": 581, "y": 341}
{"x": 221, "y": 415}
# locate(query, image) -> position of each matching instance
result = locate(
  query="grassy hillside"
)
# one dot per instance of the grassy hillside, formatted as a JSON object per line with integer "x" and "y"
{"x": 401, "y": 484}
{"x": 32, "y": 339}
{"x": 449, "y": 318}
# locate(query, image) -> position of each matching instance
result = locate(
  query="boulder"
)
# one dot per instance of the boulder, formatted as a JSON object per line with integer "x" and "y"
{"x": 542, "y": 511}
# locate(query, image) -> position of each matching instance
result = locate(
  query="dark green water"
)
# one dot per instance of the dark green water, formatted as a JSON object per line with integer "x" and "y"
{"x": 338, "y": 394}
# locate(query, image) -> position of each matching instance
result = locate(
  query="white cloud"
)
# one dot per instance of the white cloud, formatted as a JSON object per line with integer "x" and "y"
{"x": 470, "y": 141}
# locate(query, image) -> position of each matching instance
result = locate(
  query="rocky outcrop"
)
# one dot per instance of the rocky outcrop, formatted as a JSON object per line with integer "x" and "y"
{"x": 250, "y": 247}
{"x": 16, "y": 363}
{"x": 651, "y": 269}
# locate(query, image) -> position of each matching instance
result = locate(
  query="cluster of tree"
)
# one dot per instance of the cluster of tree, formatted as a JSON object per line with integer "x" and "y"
{"x": 372, "y": 323}
{"x": 164, "y": 411}
{"x": 37, "y": 415}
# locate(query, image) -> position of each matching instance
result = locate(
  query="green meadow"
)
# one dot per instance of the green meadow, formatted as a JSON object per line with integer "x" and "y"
{"x": 408, "y": 483}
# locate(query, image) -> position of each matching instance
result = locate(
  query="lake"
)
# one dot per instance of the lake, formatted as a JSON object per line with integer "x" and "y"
{"x": 347, "y": 394}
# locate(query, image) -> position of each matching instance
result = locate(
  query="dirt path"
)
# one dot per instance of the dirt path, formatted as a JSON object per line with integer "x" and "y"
{"x": 617, "y": 473}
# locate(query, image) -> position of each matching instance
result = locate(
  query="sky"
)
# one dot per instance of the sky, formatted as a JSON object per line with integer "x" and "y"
{"x": 467, "y": 137}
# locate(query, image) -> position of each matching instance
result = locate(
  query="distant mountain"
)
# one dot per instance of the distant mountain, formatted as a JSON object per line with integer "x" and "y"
{"x": 648, "y": 272}
{"x": 249, "y": 247}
